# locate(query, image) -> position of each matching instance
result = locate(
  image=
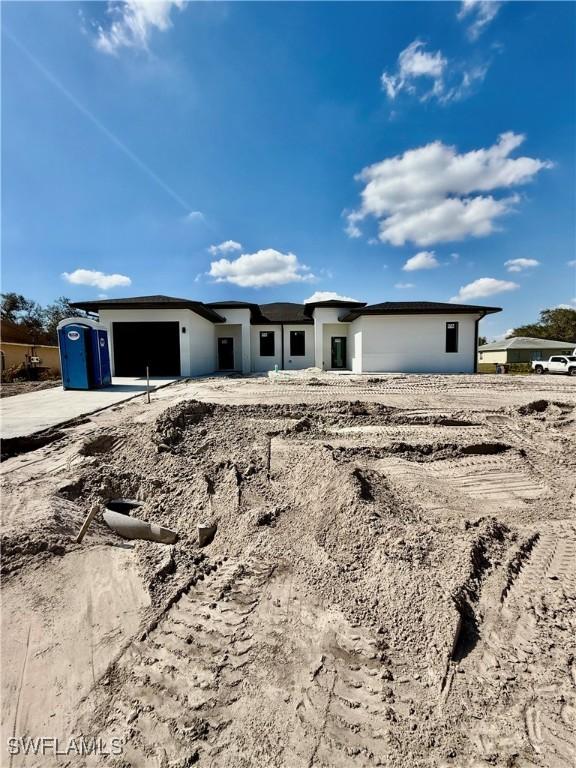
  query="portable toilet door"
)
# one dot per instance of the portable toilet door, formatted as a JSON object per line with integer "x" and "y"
{"x": 101, "y": 372}
{"x": 74, "y": 342}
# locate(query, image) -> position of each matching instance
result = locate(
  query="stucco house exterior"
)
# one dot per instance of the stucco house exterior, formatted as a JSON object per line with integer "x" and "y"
{"x": 21, "y": 346}
{"x": 180, "y": 337}
{"x": 523, "y": 349}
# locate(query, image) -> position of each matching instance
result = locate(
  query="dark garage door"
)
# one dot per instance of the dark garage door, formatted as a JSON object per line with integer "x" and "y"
{"x": 137, "y": 345}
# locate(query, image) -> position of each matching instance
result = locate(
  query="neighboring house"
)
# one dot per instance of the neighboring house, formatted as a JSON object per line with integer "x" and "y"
{"x": 523, "y": 349}
{"x": 21, "y": 346}
{"x": 188, "y": 338}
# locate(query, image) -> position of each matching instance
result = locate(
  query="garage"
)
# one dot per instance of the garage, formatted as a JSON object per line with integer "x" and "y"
{"x": 137, "y": 345}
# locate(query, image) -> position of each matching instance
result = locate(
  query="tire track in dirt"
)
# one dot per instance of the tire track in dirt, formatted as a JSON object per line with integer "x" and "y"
{"x": 200, "y": 686}
{"x": 187, "y": 667}
{"x": 521, "y": 674}
{"x": 20, "y": 686}
{"x": 549, "y": 465}
{"x": 476, "y": 484}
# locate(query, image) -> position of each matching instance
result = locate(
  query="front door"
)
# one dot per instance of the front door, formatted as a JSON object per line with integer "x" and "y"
{"x": 338, "y": 352}
{"x": 226, "y": 353}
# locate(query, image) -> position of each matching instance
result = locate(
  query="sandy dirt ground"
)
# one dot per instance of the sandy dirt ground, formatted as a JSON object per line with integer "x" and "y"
{"x": 392, "y": 581}
{"x": 22, "y": 387}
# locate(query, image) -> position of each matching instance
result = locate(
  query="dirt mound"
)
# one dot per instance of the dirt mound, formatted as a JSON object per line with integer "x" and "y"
{"x": 536, "y": 406}
{"x": 171, "y": 424}
{"x": 552, "y": 408}
{"x": 97, "y": 445}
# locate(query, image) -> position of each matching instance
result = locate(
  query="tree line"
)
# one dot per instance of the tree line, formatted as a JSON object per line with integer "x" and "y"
{"x": 38, "y": 320}
{"x": 558, "y": 324}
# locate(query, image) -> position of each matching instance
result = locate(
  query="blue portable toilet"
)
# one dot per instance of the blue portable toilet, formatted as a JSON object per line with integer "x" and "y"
{"x": 101, "y": 372}
{"x": 84, "y": 354}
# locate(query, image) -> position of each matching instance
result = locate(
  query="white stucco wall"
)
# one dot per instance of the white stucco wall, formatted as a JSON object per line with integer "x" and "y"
{"x": 415, "y": 343}
{"x": 202, "y": 351}
{"x": 197, "y": 352}
{"x": 355, "y": 348}
{"x": 300, "y": 361}
{"x": 260, "y": 364}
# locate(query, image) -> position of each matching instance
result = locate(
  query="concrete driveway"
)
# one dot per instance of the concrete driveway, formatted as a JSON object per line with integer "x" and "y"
{"x": 24, "y": 415}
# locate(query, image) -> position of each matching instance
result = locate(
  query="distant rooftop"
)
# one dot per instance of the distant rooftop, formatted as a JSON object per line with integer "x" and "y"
{"x": 526, "y": 342}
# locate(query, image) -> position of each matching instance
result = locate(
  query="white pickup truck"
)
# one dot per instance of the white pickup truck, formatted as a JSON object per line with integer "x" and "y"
{"x": 556, "y": 364}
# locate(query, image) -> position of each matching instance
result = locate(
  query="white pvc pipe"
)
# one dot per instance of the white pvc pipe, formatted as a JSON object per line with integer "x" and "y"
{"x": 132, "y": 528}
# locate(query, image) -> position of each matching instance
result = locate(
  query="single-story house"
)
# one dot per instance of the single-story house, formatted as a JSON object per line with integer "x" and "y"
{"x": 523, "y": 349}
{"x": 20, "y": 345}
{"x": 180, "y": 337}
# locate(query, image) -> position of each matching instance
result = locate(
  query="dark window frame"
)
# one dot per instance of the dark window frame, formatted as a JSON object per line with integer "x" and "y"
{"x": 265, "y": 336}
{"x": 452, "y": 333}
{"x": 297, "y": 335}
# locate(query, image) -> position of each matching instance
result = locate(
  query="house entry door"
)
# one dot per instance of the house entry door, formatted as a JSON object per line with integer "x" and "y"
{"x": 225, "y": 353}
{"x": 338, "y": 352}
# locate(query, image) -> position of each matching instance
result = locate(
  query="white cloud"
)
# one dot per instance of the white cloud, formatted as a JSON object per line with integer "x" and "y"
{"x": 484, "y": 286}
{"x": 256, "y": 270}
{"x": 195, "y": 216}
{"x": 352, "y": 230}
{"x": 415, "y": 62}
{"x": 427, "y": 195}
{"x": 96, "y": 279}
{"x": 404, "y": 285}
{"x": 505, "y": 335}
{"x": 422, "y": 260}
{"x": 228, "y": 246}
{"x": 571, "y": 263}
{"x": 429, "y": 75}
{"x": 480, "y": 13}
{"x": 517, "y": 265}
{"x": 132, "y": 23}
{"x": 327, "y": 296}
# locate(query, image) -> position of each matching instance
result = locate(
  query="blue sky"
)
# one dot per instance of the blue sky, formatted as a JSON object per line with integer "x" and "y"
{"x": 269, "y": 151}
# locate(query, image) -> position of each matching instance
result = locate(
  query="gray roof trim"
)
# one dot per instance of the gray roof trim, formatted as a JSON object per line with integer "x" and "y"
{"x": 419, "y": 308}
{"x": 151, "y": 302}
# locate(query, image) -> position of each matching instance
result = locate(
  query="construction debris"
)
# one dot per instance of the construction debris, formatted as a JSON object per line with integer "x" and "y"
{"x": 206, "y": 533}
{"x": 94, "y": 509}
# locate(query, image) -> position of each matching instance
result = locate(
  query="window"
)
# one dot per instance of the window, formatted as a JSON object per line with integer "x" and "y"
{"x": 297, "y": 343}
{"x": 451, "y": 337}
{"x": 555, "y": 359}
{"x": 266, "y": 343}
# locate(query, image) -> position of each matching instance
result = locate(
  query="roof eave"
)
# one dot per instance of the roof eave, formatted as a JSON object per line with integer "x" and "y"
{"x": 482, "y": 311}
{"x": 199, "y": 309}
